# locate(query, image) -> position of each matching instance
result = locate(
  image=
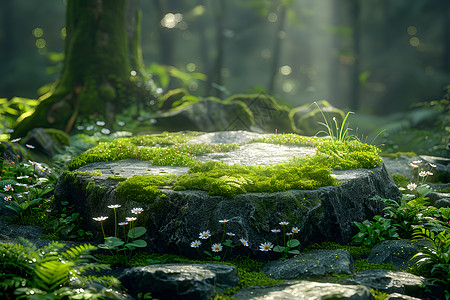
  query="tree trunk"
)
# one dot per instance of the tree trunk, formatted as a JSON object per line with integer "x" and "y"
{"x": 354, "y": 97}
{"x": 102, "y": 72}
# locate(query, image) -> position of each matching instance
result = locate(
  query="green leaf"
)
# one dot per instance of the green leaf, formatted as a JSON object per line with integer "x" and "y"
{"x": 136, "y": 232}
{"x": 293, "y": 243}
{"x": 279, "y": 249}
{"x": 294, "y": 252}
{"x": 111, "y": 243}
{"x": 137, "y": 244}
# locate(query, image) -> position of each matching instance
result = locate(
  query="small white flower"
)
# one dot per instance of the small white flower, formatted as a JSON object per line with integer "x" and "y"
{"x": 100, "y": 219}
{"x": 196, "y": 244}
{"x": 216, "y": 247}
{"x": 266, "y": 246}
{"x": 205, "y": 234}
{"x": 422, "y": 173}
{"x": 137, "y": 211}
{"x": 114, "y": 206}
{"x": 131, "y": 219}
{"x": 223, "y": 221}
{"x": 275, "y": 230}
{"x": 413, "y": 165}
{"x": 433, "y": 165}
{"x": 284, "y": 223}
{"x": 411, "y": 186}
{"x": 123, "y": 223}
{"x": 417, "y": 161}
{"x": 295, "y": 230}
{"x": 429, "y": 173}
{"x": 15, "y": 140}
{"x": 30, "y": 146}
{"x": 230, "y": 234}
{"x": 244, "y": 242}
{"x": 100, "y": 123}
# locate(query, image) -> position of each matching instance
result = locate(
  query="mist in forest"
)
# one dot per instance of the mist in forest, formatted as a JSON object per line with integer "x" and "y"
{"x": 374, "y": 57}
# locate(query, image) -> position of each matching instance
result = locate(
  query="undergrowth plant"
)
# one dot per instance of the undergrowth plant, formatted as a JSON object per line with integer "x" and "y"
{"x": 434, "y": 260}
{"x": 338, "y": 132}
{"x": 49, "y": 272}
{"x": 122, "y": 249}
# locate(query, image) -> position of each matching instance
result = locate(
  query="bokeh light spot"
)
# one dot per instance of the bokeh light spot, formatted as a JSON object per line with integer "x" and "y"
{"x": 412, "y": 30}
{"x": 285, "y": 70}
{"x": 414, "y": 41}
{"x": 171, "y": 20}
{"x": 41, "y": 43}
{"x": 272, "y": 17}
{"x": 38, "y": 32}
{"x": 190, "y": 67}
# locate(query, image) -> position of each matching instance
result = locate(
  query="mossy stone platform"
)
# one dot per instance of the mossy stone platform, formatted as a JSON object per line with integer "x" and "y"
{"x": 187, "y": 182}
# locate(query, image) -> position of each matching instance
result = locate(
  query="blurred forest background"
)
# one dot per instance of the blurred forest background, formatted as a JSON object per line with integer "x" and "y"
{"x": 373, "y": 56}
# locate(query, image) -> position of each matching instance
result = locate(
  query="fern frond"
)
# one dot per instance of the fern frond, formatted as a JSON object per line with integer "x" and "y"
{"x": 51, "y": 274}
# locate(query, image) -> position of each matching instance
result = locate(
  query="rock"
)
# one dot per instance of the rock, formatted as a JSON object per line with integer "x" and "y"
{"x": 207, "y": 116}
{"x": 269, "y": 116}
{"x": 444, "y": 202}
{"x": 47, "y": 142}
{"x": 389, "y": 281}
{"x": 305, "y": 290}
{"x": 395, "y": 252}
{"x": 179, "y": 281}
{"x": 306, "y": 119}
{"x": 397, "y": 296}
{"x": 314, "y": 263}
{"x": 174, "y": 218}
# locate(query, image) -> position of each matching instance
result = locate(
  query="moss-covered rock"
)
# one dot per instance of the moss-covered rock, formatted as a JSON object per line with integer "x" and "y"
{"x": 306, "y": 119}
{"x": 181, "y": 202}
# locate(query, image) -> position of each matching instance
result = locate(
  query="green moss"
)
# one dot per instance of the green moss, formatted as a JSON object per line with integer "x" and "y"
{"x": 117, "y": 178}
{"x": 59, "y": 136}
{"x": 153, "y": 148}
{"x": 400, "y": 180}
{"x": 142, "y": 188}
{"x": 353, "y": 250}
{"x": 363, "y": 264}
{"x": 398, "y": 154}
{"x": 339, "y": 155}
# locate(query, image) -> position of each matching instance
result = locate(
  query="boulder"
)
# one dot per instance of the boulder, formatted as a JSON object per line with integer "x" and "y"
{"x": 180, "y": 281}
{"x": 47, "y": 142}
{"x": 314, "y": 263}
{"x": 175, "y": 218}
{"x": 389, "y": 281}
{"x": 207, "y": 116}
{"x": 395, "y": 252}
{"x": 305, "y": 290}
{"x": 397, "y": 296}
{"x": 306, "y": 119}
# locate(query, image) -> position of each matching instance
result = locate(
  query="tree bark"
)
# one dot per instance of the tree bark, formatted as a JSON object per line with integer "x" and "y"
{"x": 102, "y": 73}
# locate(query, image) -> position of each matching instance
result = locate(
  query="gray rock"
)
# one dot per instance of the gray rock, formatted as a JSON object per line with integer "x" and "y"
{"x": 175, "y": 218}
{"x": 395, "y": 252}
{"x": 305, "y": 290}
{"x": 207, "y": 116}
{"x": 444, "y": 202}
{"x": 397, "y": 296}
{"x": 42, "y": 142}
{"x": 314, "y": 263}
{"x": 389, "y": 281}
{"x": 179, "y": 281}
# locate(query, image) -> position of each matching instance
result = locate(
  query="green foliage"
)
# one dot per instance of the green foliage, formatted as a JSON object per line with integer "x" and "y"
{"x": 143, "y": 188}
{"x": 434, "y": 260}
{"x": 372, "y": 232}
{"x": 359, "y": 250}
{"x": 46, "y": 272}
{"x": 400, "y": 180}
{"x": 11, "y": 109}
{"x": 363, "y": 264}
{"x": 403, "y": 215}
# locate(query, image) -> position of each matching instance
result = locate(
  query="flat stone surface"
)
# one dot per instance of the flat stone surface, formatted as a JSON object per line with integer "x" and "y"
{"x": 304, "y": 290}
{"x": 180, "y": 281}
{"x": 314, "y": 263}
{"x": 259, "y": 154}
{"x": 130, "y": 167}
{"x": 227, "y": 137}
